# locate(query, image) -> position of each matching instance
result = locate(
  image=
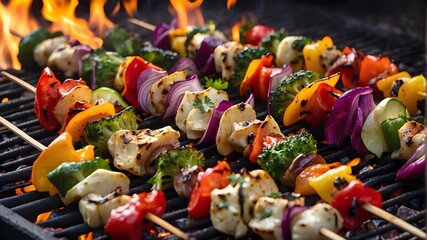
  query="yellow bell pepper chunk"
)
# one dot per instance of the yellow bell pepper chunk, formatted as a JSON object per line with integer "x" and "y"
{"x": 409, "y": 92}
{"x": 78, "y": 123}
{"x": 324, "y": 184}
{"x": 386, "y": 85}
{"x": 59, "y": 150}
{"x": 295, "y": 111}
{"x": 178, "y": 37}
{"x": 312, "y": 52}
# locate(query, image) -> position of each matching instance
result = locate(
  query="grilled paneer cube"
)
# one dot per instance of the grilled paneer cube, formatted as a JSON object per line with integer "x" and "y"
{"x": 134, "y": 151}
{"x": 412, "y": 134}
{"x": 237, "y": 113}
{"x": 225, "y": 211}
{"x": 224, "y": 58}
{"x": 159, "y": 92}
{"x": 257, "y": 183}
{"x": 268, "y": 214}
{"x": 44, "y": 49}
{"x": 96, "y": 209}
{"x": 100, "y": 182}
{"x": 288, "y": 55}
{"x": 308, "y": 224}
{"x": 63, "y": 59}
{"x": 186, "y": 106}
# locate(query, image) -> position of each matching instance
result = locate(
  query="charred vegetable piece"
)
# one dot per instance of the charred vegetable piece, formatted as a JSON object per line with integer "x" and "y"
{"x": 122, "y": 41}
{"x": 29, "y": 43}
{"x": 349, "y": 203}
{"x": 103, "y": 66}
{"x": 299, "y": 163}
{"x": 159, "y": 57}
{"x": 271, "y": 42}
{"x": 277, "y": 158}
{"x": 127, "y": 222}
{"x": 289, "y": 87}
{"x": 98, "y": 132}
{"x": 169, "y": 164}
{"x": 48, "y": 160}
{"x": 68, "y": 174}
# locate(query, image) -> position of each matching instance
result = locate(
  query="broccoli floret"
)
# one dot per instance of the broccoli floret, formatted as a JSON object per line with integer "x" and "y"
{"x": 299, "y": 44}
{"x": 289, "y": 87}
{"x": 170, "y": 162}
{"x": 105, "y": 64}
{"x": 276, "y": 159}
{"x": 98, "y": 132}
{"x": 123, "y": 42}
{"x": 271, "y": 42}
{"x": 159, "y": 57}
{"x": 242, "y": 60}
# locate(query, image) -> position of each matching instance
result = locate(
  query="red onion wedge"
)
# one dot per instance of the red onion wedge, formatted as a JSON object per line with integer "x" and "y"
{"x": 365, "y": 106}
{"x": 79, "y": 52}
{"x": 177, "y": 91}
{"x": 145, "y": 80}
{"x": 160, "y": 35}
{"x": 184, "y": 64}
{"x": 345, "y": 113}
{"x": 276, "y": 76}
{"x": 288, "y": 214}
{"x": 414, "y": 167}
{"x": 213, "y": 125}
{"x": 206, "y": 50}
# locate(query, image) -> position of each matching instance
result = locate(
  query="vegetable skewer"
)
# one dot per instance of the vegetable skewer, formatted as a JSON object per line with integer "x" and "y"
{"x": 155, "y": 219}
{"x": 21, "y": 82}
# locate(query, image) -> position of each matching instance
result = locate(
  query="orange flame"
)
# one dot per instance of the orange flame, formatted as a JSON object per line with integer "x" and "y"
{"x": 235, "y": 32}
{"x": 63, "y": 18}
{"x": 188, "y": 12}
{"x": 88, "y": 236}
{"x": 97, "y": 19}
{"x": 230, "y": 3}
{"x": 43, "y": 216}
{"x": 14, "y": 18}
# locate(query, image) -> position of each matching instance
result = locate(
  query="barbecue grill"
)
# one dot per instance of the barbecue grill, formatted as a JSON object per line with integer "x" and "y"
{"x": 399, "y": 34}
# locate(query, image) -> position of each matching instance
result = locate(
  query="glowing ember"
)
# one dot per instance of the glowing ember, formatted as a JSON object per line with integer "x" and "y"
{"x": 188, "y": 12}
{"x": 88, "y": 236}
{"x": 15, "y": 17}
{"x": 63, "y": 18}
{"x": 230, "y": 3}
{"x": 29, "y": 188}
{"x": 97, "y": 19}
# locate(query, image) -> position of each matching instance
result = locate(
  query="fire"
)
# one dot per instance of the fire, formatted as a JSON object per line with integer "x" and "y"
{"x": 97, "y": 19}
{"x": 29, "y": 188}
{"x": 88, "y": 236}
{"x": 43, "y": 216}
{"x": 63, "y": 18}
{"x": 235, "y": 32}
{"x": 130, "y": 6}
{"x": 188, "y": 12}
{"x": 16, "y": 18}
{"x": 230, "y": 3}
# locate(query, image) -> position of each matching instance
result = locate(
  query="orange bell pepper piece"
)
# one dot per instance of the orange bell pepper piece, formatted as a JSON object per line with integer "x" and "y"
{"x": 313, "y": 171}
{"x": 373, "y": 68}
{"x": 59, "y": 150}
{"x": 253, "y": 81}
{"x": 78, "y": 123}
{"x": 297, "y": 109}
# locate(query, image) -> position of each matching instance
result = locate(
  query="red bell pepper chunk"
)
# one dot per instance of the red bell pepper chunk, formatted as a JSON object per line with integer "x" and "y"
{"x": 320, "y": 104}
{"x": 200, "y": 199}
{"x": 258, "y": 32}
{"x": 131, "y": 73}
{"x": 47, "y": 96}
{"x": 127, "y": 222}
{"x": 349, "y": 66}
{"x": 374, "y": 68}
{"x": 349, "y": 202}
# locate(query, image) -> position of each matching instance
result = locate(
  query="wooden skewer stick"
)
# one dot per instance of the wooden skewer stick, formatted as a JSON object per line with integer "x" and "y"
{"x": 15, "y": 33}
{"x": 21, "y": 82}
{"x": 22, "y": 134}
{"x": 142, "y": 24}
{"x": 394, "y": 220}
{"x": 330, "y": 234}
{"x": 155, "y": 219}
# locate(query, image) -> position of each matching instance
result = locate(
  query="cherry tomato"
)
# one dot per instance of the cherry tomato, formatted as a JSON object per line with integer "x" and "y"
{"x": 131, "y": 73}
{"x": 200, "y": 199}
{"x": 349, "y": 203}
{"x": 257, "y": 33}
{"x": 126, "y": 222}
{"x": 47, "y": 95}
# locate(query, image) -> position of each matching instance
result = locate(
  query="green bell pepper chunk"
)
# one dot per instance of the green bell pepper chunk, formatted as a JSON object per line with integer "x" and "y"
{"x": 68, "y": 174}
{"x": 390, "y": 128}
